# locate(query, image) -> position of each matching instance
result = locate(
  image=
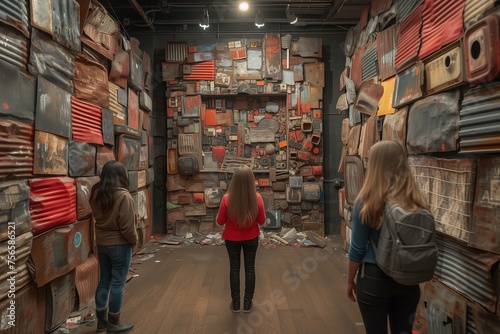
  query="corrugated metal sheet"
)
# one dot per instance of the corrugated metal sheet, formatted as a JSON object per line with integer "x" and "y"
{"x": 108, "y": 129}
{"x": 51, "y": 61}
{"x": 471, "y": 272}
{"x": 369, "y": 136}
{"x": 395, "y": 126}
{"x": 433, "y": 124}
{"x": 148, "y": 72}
{"x": 91, "y": 81}
{"x": 16, "y": 150}
{"x": 448, "y": 186}
{"x": 128, "y": 152}
{"x": 51, "y": 154}
{"x": 120, "y": 68}
{"x": 104, "y": 154}
{"x": 445, "y": 69}
{"x": 409, "y": 86}
{"x": 442, "y": 23}
{"x": 481, "y": 321}
{"x": 357, "y": 67}
{"x": 14, "y": 207}
{"x": 81, "y": 159}
{"x": 272, "y": 52}
{"x": 479, "y": 122}
{"x": 18, "y": 94}
{"x": 307, "y": 47}
{"x": 118, "y": 110}
{"x": 100, "y": 30}
{"x": 409, "y": 40}
{"x": 86, "y": 122}
{"x": 86, "y": 280}
{"x": 176, "y": 51}
{"x": 354, "y": 177}
{"x": 474, "y": 10}
{"x": 22, "y": 252}
{"x": 15, "y": 14}
{"x": 485, "y": 233}
{"x": 136, "y": 78}
{"x": 53, "y": 109}
{"x": 201, "y": 71}
{"x": 52, "y": 202}
{"x": 482, "y": 50}
{"x": 83, "y": 187}
{"x": 363, "y": 19}
{"x": 387, "y": 42}
{"x": 26, "y": 312}
{"x": 189, "y": 144}
{"x": 406, "y": 7}
{"x": 60, "y": 300}
{"x": 133, "y": 110}
{"x": 379, "y": 6}
{"x": 368, "y": 98}
{"x": 14, "y": 47}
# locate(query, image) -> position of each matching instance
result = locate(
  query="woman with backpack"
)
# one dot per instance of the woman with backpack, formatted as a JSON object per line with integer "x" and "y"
{"x": 388, "y": 180}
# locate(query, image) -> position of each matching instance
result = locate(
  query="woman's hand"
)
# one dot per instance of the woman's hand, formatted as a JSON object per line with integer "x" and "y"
{"x": 351, "y": 291}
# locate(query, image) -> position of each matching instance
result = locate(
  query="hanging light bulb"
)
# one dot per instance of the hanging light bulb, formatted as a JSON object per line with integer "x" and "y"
{"x": 290, "y": 16}
{"x": 244, "y": 6}
{"x": 205, "y": 22}
{"x": 259, "y": 19}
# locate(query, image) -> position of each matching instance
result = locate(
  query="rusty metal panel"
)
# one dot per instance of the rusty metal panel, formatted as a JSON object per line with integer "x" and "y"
{"x": 128, "y": 152}
{"x": 22, "y": 252}
{"x": 474, "y": 10}
{"x": 433, "y": 123}
{"x": 241, "y": 71}
{"x": 133, "y": 180}
{"x": 148, "y": 75}
{"x": 66, "y": 23}
{"x": 351, "y": 40}
{"x": 224, "y": 76}
{"x": 14, "y": 207}
{"x": 15, "y": 13}
{"x": 104, "y": 154}
{"x": 369, "y": 62}
{"x": 133, "y": 110}
{"x": 145, "y": 102}
{"x": 442, "y": 23}
{"x": 354, "y": 176}
{"x": 60, "y": 300}
{"x": 409, "y": 86}
{"x": 482, "y": 50}
{"x": 201, "y": 71}
{"x": 51, "y": 61}
{"x": 86, "y": 280}
{"x": 120, "y": 68}
{"x": 200, "y": 57}
{"x": 395, "y": 126}
{"x": 448, "y": 186}
{"x": 444, "y": 69}
{"x": 142, "y": 179}
{"x": 86, "y": 122}
{"x": 480, "y": 320}
{"x": 100, "y": 31}
{"x": 379, "y": 6}
{"x": 409, "y": 40}
{"x": 91, "y": 81}
{"x": 314, "y": 73}
{"x": 353, "y": 140}
{"x": 81, "y": 159}
{"x": 357, "y": 67}
{"x": 50, "y": 154}
{"x": 485, "y": 234}
{"x": 262, "y": 135}
{"x": 108, "y": 130}
{"x": 118, "y": 110}
{"x": 16, "y": 149}
{"x": 171, "y": 71}
{"x": 26, "y": 311}
{"x": 191, "y": 106}
{"x": 137, "y": 75}
{"x": 385, "y": 103}
{"x": 176, "y": 51}
{"x": 52, "y": 203}
{"x": 189, "y": 144}
{"x": 254, "y": 59}
{"x": 83, "y": 187}
{"x": 406, "y": 7}
{"x": 365, "y": 16}
{"x": 272, "y": 51}
{"x": 53, "y": 109}
{"x": 369, "y": 136}
{"x": 387, "y": 41}
{"x": 223, "y": 59}
{"x": 368, "y": 98}
{"x": 18, "y": 94}
{"x": 14, "y": 48}
{"x": 307, "y": 47}
{"x": 479, "y": 123}
{"x": 470, "y": 272}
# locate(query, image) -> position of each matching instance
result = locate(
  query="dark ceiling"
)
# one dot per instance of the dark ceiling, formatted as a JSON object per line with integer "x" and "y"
{"x": 183, "y": 15}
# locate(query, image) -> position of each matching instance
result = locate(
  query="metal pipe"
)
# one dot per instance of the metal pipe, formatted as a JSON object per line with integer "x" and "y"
{"x": 141, "y": 12}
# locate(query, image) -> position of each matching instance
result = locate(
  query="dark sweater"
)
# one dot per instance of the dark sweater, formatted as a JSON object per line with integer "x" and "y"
{"x": 116, "y": 226}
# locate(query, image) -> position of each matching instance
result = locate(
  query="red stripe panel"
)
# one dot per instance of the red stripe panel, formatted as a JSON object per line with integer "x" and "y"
{"x": 86, "y": 122}
{"x": 409, "y": 40}
{"x": 202, "y": 71}
{"x": 52, "y": 203}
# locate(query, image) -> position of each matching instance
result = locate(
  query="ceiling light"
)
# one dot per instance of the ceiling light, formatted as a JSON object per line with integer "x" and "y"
{"x": 244, "y": 6}
{"x": 259, "y": 20}
{"x": 205, "y": 23}
{"x": 290, "y": 16}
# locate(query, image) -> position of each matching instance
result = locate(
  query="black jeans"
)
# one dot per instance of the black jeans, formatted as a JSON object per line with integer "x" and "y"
{"x": 249, "y": 253}
{"x": 380, "y": 296}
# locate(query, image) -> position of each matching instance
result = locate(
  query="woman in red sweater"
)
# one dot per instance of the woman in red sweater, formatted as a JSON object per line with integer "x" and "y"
{"x": 241, "y": 211}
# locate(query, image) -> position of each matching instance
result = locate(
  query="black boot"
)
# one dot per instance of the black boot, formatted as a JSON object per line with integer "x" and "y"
{"x": 102, "y": 320}
{"x": 247, "y": 305}
{"x": 235, "y": 305}
{"x": 114, "y": 324}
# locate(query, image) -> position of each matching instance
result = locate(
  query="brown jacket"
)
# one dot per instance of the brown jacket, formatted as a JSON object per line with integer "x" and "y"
{"x": 117, "y": 226}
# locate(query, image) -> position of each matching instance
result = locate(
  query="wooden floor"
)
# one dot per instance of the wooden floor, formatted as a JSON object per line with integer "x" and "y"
{"x": 185, "y": 289}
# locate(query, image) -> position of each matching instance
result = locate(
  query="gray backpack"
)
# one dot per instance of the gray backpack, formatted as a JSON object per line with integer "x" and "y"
{"x": 406, "y": 249}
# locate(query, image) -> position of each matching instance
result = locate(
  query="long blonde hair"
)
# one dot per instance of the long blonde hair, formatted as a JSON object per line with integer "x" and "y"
{"x": 242, "y": 202}
{"x": 388, "y": 179}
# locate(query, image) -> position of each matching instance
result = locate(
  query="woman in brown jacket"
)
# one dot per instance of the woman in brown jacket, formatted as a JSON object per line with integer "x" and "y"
{"x": 114, "y": 213}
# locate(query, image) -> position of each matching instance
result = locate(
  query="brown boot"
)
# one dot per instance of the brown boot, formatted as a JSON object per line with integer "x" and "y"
{"x": 114, "y": 324}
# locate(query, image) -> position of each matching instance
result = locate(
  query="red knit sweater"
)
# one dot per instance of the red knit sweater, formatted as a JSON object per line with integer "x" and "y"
{"x": 235, "y": 232}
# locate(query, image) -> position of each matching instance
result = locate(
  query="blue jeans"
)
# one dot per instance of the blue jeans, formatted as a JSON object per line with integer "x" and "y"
{"x": 114, "y": 264}
{"x": 249, "y": 252}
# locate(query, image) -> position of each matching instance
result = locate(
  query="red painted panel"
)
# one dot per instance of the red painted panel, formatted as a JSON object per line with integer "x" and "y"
{"x": 86, "y": 279}
{"x": 409, "y": 40}
{"x": 86, "y": 122}
{"x": 442, "y": 23}
{"x": 387, "y": 41}
{"x": 52, "y": 202}
{"x": 202, "y": 71}
{"x": 133, "y": 110}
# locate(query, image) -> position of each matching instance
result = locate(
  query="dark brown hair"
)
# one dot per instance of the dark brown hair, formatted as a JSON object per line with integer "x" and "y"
{"x": 113, "y": 176}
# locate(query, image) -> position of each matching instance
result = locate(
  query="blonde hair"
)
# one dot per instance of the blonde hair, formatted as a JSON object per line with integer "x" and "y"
{"x": 388, "y": 179}
{"x": 242, "y": 201}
